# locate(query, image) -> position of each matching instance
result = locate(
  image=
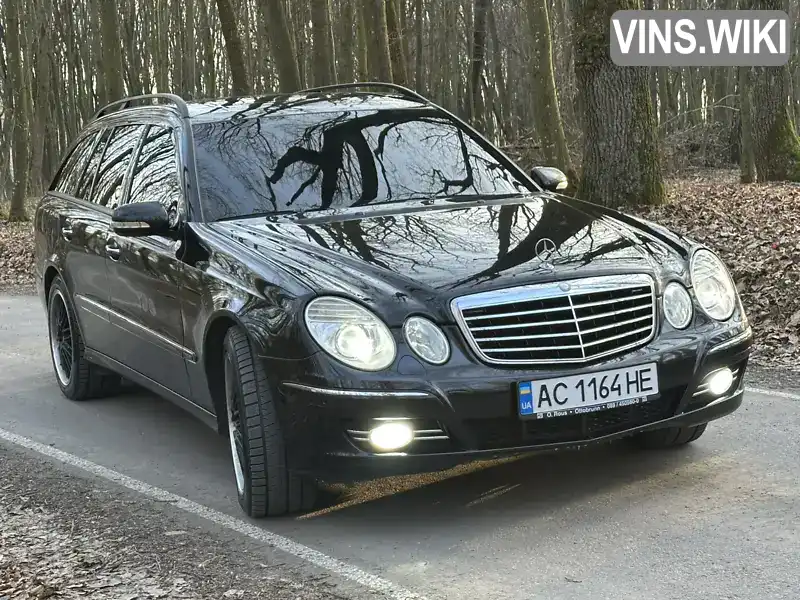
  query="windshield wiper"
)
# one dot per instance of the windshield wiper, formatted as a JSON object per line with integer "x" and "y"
{"x": 258, "y": 214}
{"x": 479, "y": 197}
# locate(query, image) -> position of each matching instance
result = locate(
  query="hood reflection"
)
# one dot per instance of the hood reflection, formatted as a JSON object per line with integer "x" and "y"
{"x": 455, "y": 247}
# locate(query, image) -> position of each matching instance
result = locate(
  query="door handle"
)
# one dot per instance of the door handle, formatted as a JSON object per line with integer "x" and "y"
{"x": 112, "y": 249}
{"x": 67, "y": 230}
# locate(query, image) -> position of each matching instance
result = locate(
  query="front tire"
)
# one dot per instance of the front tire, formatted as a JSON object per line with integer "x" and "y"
{"x": 669, "y": 438}
{"x": 264, "y": 484}
{"x": 77, "y": 377}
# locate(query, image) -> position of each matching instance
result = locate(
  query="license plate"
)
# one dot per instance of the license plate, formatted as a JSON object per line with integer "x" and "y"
{"x": 587, "y": 393}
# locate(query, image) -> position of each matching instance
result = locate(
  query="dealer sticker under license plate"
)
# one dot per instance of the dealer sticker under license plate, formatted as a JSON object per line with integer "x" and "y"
{"x": 587, "y": 393}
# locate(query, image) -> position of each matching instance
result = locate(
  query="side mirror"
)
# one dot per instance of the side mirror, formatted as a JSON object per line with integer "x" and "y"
{"x": 550, "y": 178}
{"x": 140, "y": 219}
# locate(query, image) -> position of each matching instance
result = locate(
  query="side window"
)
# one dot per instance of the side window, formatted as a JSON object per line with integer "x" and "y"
{"x": 155, "y": 175}
{"x": 108, "y": 187}
{"x": 73, "y": 167}
{"x": 89, "y": 173}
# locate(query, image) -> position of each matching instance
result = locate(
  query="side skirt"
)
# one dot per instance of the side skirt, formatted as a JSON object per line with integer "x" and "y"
{"x": 109, "y": 363}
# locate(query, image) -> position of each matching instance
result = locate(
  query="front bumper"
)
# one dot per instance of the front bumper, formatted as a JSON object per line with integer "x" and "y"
{"x": 468, "y": 414}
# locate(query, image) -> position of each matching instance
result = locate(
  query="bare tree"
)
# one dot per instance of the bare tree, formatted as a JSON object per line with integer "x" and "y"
{"x": 548, "y": 114}
{"x": 395, "y": 36}
{"x": 621, "y": 161}
{"x": 374, "y": 12}
{"x": 233, "y": 45}
{"x": 776, "y": 145}
{"x": 282, "y": 50}
{"x": 114, "y": 88}
{"x": 323, "y": 45}
{"x": 747, "y": 159}
{"x": 476, "y": 104}
{"x": 19, "y": 110}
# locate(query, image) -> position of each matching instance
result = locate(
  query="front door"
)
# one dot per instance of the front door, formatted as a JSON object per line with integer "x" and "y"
{"x": 145, "y": 275}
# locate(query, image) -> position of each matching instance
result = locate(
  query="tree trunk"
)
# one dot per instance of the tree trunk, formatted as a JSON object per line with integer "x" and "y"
{"x": 395, "y": 35}
{"x": 476, "y": 110}
{"x": 621, "y": 162}
{"x": 112, "y": 56}
{"x": 19, "y": 113}
{"x": 281, "y": 44}
{"x": 346, "y": 58}
{"x": 41, "y": 107}
{"x": 209, "y": 68}
{"x": 233, "y": 48}
{"x": 178, "y": 52}
{"x": 323, "y": 45}
{"x": 747, "y": 160}
{"x": 419, "y": 34}
{"x": 775, "y": 142}
{"x": 377, "y": 36}
{"x": 548, "y": 115}
{"x": 365, "y": 66}
{"x": 161, "y": 58}
{"x": 190, "y": 83}
{"x": 504, "y": 105}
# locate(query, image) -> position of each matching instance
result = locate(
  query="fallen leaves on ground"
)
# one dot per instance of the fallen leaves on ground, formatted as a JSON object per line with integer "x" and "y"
{"x": 37, "y": 561}
{"x": 16, "y": 254}
{"x": 756, "y": 230}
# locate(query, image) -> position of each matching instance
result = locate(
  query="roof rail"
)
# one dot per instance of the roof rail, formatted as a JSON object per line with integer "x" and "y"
{"x": 408, "y": 93}
{"x": 179, "y": 102}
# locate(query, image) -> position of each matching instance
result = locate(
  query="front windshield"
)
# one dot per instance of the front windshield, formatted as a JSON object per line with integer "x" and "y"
{"x": 318, "y": 161}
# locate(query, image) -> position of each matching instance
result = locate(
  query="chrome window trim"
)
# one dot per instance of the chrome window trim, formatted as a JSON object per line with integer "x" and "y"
{"x": 553, "y": 289}
{"x": 182, "y": 349}
{"x": 358, "y": 393}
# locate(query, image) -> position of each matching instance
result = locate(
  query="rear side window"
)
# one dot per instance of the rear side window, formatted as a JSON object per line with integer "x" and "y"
{"x": 155, "y": 175}
{"x": 108, "y": 187}
{"x": 90, "y": 172}
{"x": 67, "y": 179}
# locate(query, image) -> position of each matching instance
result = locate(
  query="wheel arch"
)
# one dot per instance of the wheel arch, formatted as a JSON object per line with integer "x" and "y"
{"x": 212, "y": 354}
{"x": 50, "y": 273}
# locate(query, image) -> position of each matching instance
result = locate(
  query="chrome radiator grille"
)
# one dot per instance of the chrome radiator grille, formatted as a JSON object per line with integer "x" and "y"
{"x": 561, "y": 322}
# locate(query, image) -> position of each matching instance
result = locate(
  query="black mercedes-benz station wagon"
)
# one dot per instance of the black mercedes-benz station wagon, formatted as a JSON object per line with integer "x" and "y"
{"x": 350, "y": 282}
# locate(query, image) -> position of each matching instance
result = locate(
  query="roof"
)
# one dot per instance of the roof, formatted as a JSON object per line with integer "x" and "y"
{"x": 331, "y": 98}
{"x": 301, "y": 103}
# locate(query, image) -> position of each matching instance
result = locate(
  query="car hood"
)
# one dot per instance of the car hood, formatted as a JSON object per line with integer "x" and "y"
{"x": 442, "y": 250}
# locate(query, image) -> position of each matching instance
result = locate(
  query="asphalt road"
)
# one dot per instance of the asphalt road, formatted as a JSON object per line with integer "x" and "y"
{"x": 717, "y": 520}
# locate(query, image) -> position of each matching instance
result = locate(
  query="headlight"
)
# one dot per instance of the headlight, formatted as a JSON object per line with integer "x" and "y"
{"x": 427, "y": 340}
{"x": 713, "y": 285}
{"x": 350, "y": 333}
{"x": 677, "y": 305}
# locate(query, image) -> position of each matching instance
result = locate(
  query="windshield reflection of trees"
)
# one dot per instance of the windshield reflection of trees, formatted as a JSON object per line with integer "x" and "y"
{"x": 287, "y": 161}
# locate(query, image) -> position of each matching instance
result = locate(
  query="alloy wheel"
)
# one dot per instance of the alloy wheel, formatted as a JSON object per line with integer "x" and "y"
{"x": 61, "y": 338}
{"x": 234, "y": 424}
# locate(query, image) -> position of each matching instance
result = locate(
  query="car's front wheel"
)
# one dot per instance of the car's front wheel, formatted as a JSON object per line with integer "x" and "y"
{"x": 668, "y": 438}
{"x": 78, "y": 378}
{"x": 265, "y": 485}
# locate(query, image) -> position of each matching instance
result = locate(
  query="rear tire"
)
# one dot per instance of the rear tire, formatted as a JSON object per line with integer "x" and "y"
{"x": 668, "y": 438}
{"x": 77, "y": 377}
{"x": 264, "y": 484}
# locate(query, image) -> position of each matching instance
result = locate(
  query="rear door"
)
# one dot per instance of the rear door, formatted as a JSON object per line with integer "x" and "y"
{"x": 145, "y": 275}
{"x": 79, "y": 231}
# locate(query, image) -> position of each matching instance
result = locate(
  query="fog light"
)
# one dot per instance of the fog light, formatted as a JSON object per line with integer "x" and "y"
{"x": 720, "y": 381}
{"x": 391, "y": 436}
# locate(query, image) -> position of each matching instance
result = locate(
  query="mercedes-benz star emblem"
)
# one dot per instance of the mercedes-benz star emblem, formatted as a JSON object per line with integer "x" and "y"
{"x": 545, "y": 248}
